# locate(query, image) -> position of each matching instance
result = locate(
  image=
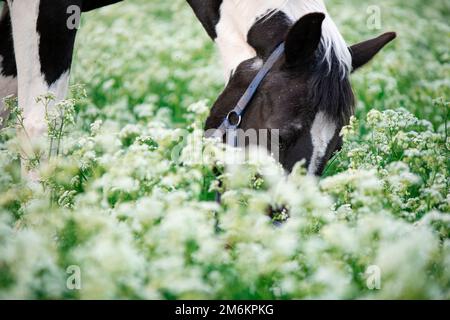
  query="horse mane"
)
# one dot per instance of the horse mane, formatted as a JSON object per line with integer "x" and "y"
{"x": 335, "y": 49}
{"x": 331, "y": 93}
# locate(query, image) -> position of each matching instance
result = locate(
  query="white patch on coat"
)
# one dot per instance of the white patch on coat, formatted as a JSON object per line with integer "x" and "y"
{"x": 322, "y": 131}
{"x": 257, "y": 64}
{"x": 238, "y": 16}
{"x": 231, "y": 38}
{"x": 31, "y": 83}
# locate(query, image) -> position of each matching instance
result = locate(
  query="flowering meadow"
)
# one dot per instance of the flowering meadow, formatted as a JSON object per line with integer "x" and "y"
{"x": 126, "y": 208}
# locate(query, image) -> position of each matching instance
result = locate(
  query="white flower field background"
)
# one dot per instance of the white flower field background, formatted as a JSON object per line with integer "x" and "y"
{"x": 124, "y": 211}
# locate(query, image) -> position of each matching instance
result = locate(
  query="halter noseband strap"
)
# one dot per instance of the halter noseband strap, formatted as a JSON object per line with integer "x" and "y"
{"x": 234, "y": 117}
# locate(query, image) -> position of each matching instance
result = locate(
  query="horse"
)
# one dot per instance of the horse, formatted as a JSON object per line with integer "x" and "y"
{"x": 36, "y": 49}
{"x": 306, "y": 95}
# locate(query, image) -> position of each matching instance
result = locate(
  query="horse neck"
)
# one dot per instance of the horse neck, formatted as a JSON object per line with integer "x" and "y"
{"x": 239, "y": 16}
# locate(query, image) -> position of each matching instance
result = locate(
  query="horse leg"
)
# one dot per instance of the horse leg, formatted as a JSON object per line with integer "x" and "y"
{"x": 8, "y": 71}
{"x": 43, "y": 43}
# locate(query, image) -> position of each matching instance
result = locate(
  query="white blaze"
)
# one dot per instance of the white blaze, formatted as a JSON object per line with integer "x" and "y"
{"x": 322, "y": 131}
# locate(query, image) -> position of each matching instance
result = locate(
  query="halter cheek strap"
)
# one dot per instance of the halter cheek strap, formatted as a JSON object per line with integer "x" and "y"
{"x": 234, "y": 118}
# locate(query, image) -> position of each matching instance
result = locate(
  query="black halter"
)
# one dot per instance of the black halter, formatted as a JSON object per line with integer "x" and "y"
{"x": 234, "y": 118}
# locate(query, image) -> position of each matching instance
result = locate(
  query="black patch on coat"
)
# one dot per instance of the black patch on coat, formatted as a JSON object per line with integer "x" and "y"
{"x": 89, "y": 5}
{"x": 302, "y": 149}
{"x": 268, "y": 32}
{"x": 208, "y": 12}
{"x": 56, "y": 39}
{"x": 8, "y": 67}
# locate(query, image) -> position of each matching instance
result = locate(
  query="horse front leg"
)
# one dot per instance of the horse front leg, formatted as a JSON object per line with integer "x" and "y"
{"x": 8, "y": 71}
{"x": 43, "y": 43}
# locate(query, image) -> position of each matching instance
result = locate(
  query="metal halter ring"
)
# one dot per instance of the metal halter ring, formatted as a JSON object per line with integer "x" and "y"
{"x": 234, "y": 119}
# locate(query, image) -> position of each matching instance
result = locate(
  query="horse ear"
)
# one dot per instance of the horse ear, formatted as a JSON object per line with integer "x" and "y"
{"x": 303, "y": 38}
{"x": 363, "y": 52}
